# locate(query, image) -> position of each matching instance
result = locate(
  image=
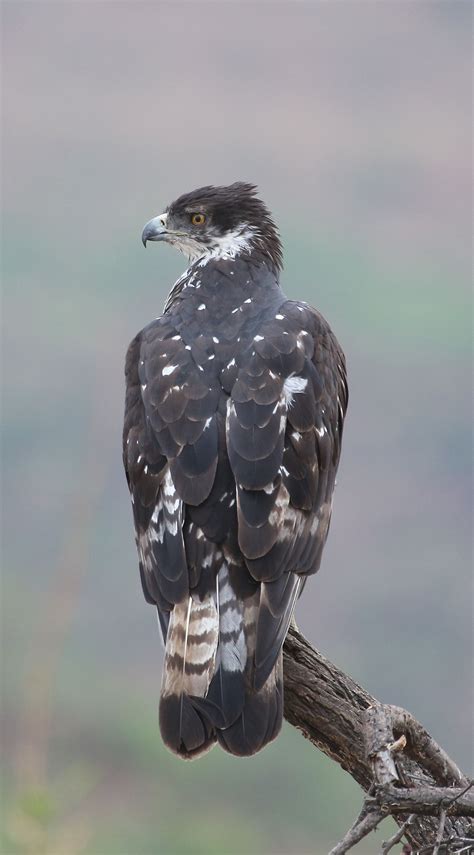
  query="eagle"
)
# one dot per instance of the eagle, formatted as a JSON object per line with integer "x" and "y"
{"x": 234, "y": 411}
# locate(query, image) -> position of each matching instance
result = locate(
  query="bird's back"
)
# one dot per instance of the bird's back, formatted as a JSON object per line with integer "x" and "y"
{"x": 233, "y": 424}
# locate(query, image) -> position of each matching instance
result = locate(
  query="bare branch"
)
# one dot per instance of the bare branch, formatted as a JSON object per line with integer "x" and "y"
{"x": 428, "y": 801}
{"x": 387, "y": 845}
{"x": 466, "y": 789}
{"x": 425, "y": 750}
{"x": 364, "y": 824}
{"x": 439, "y": 836}
{"x": 377, "y": 743}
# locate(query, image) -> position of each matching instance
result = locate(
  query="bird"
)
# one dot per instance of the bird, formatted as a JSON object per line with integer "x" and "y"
{"x": 234, "y": 410}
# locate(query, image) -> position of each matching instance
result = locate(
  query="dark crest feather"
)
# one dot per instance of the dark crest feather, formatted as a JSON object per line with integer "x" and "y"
{"x": 232, "y": 206}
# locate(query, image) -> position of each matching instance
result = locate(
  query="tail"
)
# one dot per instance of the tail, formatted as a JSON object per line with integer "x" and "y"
{"x": 191, "y": 645}
{"x": 209, "y": 691}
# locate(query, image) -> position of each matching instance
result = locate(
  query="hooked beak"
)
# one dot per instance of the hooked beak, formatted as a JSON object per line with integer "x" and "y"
{"x": 155, "y": 229}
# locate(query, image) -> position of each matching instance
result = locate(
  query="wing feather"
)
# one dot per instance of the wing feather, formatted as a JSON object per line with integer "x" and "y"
{"x": 284, "y": 426}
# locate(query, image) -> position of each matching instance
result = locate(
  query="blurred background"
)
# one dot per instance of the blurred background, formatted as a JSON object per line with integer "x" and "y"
{"x": 354, "y": 120}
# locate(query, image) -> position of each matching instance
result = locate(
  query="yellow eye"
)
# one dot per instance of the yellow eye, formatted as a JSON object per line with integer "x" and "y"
{"x": 198, "y": 219}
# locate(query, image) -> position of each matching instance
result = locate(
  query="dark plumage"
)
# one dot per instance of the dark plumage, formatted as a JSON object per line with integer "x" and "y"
{"x": 234, "y": 412}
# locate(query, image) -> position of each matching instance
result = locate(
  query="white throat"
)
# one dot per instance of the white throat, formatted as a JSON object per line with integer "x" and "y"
{"x": 227, "y": 246}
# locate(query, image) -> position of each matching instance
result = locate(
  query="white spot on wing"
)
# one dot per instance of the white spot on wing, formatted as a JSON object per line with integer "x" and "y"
{"x": 293, "y": 386}
{"x": 168, "y": 369}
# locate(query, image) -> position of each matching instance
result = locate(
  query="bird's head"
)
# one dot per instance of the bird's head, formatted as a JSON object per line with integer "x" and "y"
{"x": 218, "y": 222}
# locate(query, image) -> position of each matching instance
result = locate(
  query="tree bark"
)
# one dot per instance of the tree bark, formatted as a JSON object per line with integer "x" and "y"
{"x": 390, "y": 755}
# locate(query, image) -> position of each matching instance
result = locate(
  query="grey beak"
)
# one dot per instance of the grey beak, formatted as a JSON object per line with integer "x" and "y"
{"x": 155, "y": 229}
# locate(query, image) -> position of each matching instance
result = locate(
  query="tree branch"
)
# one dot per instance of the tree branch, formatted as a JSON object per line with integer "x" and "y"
{"x": 384, "y": 749}
{"x": 387, "y": 845}
{"x": 364, "y": 824}
{"x": 428, "y": 801}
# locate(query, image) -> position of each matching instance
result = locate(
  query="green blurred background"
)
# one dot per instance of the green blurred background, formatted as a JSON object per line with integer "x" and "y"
{"x": 354, "y": 119}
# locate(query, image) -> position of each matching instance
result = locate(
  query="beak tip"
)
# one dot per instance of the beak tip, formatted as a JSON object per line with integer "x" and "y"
{"x": 155, "y": 229}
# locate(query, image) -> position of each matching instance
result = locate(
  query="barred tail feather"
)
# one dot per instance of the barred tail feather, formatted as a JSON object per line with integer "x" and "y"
{"x": 191, "y": 648}
{"x": 245, "y": 718}
{"x": 213, "y": 689}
